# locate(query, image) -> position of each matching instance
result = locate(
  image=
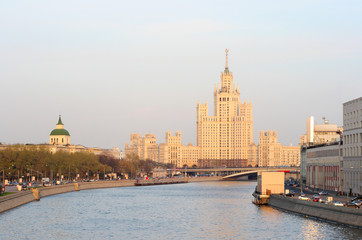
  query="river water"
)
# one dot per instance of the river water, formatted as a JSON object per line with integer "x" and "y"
{"x": 209, "y": 210}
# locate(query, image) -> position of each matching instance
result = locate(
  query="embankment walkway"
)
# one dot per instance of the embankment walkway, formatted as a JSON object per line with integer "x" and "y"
{"x": 20, "y": 198}
{"x": 344, "y": 215}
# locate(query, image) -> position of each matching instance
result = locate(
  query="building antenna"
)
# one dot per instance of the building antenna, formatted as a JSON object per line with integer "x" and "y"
{"x": 227, "y": 61}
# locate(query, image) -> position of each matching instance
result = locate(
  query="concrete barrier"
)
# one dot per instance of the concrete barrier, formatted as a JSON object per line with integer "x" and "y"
{"x": 348, "y": 216}
{"x": 36, "y": 194}
{"x": 204, "y": 179}
{"x": 20, "y": 198}
{"x": 76, "y": 186}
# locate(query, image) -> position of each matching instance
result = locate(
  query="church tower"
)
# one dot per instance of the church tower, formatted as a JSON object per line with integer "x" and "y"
{"x": 59, "y": 136}
{"x": 229, "y": 133}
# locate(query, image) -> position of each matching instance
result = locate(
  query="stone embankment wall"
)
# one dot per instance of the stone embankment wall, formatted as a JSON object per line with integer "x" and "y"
{"x": 20, "y": 198}
{"x": 15, "y": 200}
{"x": 349, "y": 216}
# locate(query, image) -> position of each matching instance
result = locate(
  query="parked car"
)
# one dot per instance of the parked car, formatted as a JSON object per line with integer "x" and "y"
{"x": 351, "y": 205}
{"x": 316, "y": 199}
{"x": 323, "y": 193}
{"x": 290, "y": 194}
{"x": 304, "y": 198}
{"x": 340, "y": 204}
{"x": 358, "y": 202}
{"x": 357, "y": 198}
{"x": 47, "y": 184}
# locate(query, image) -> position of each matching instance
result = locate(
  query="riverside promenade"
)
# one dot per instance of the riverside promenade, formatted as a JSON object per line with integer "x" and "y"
{"x": 23, "y": 197}
{"x": 344, "y": 215}
{"x": 20, "y": 198}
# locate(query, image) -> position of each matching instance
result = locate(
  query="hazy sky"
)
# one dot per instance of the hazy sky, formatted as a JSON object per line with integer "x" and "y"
{"x": 112, "y": 68}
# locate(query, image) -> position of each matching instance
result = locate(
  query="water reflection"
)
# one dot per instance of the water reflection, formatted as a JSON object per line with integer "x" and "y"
{"x": 217, "y": 210}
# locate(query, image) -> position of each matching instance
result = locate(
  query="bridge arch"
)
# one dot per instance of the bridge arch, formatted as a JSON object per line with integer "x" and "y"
{"x": 257, "y": 171}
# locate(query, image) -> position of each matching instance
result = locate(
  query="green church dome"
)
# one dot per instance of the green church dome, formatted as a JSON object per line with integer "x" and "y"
{"x": 60, "y": 129}
{"x": 60, "y": 132}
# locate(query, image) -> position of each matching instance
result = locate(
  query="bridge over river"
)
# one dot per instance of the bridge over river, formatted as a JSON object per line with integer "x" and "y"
{"x": 240, "y": 173}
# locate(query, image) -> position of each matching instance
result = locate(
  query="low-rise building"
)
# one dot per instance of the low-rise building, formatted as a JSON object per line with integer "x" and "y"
{"x": 270, "y": 183}
{"x": 59, "y": 140}
{"x": 317, "y": 134}
{"x": 323, "y": 166}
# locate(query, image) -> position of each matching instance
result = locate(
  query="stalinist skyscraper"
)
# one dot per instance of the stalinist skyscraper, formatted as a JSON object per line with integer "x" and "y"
{"x": 228, "y": 134}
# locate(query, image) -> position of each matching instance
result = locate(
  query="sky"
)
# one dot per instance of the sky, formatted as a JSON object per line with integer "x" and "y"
{"x": 112, "y": 68}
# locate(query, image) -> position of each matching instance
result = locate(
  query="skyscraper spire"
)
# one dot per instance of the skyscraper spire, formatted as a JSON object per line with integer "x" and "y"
{"x": 227, "y": 62}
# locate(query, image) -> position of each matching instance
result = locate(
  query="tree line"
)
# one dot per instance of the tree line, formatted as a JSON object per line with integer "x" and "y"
{"x": 25, "y": 161}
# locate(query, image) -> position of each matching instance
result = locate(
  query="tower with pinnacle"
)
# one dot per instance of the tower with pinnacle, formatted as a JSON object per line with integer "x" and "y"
{"x": 228, "y": 134}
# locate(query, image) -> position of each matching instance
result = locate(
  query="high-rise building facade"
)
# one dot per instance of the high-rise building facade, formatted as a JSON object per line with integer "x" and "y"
{"x": 269, "y": 149}
{"x": 172, "y": 151}
{"x": 227, "y": 134}
{"x": 273, "y": 154}
{"x": 253, "y": 155}
{"x": 145, "y": 147}
{"x": 352, "y": 146}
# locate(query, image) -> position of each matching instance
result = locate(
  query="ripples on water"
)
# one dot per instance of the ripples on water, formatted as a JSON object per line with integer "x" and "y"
{"x": 213, "y": 210}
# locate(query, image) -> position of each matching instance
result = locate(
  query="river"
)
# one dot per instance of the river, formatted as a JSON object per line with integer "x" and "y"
{"x": 208, "y": 210}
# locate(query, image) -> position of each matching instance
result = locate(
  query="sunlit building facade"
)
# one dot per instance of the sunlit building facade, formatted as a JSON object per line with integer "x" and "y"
{"x": 145, "y": 147}
{"x": 228, "y": 133}
{"x": 253, "y": 155}
{"x": 273, "y": 154}
{"x": 59, "y": 136}
{"x": 172, "y": 151}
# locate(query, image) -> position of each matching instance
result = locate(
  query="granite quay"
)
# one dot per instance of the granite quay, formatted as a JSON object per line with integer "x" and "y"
{"x": 344, "y": 215}
{"x": 20, "y": 198}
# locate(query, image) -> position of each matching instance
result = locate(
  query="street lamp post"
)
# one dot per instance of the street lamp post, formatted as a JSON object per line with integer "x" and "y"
{"x": 348, "y": 188}
{"x": 301, "y": 183}
{"x": 4, "y": 176}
